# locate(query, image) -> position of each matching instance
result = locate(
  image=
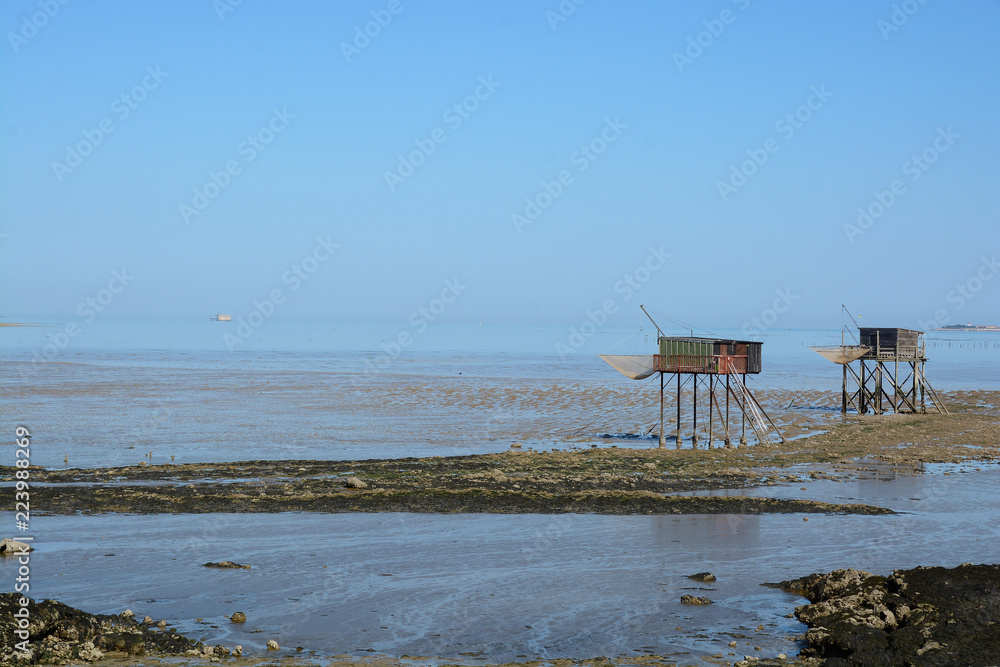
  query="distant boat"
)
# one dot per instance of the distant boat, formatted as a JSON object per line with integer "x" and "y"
{"x": 223, "y": 318}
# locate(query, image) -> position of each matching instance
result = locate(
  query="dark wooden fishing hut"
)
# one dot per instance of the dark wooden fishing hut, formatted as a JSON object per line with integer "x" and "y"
{"x": 877, "y": 387}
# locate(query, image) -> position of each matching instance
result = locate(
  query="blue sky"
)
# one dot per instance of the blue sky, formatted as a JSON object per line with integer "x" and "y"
{"x": 667, "y": 121}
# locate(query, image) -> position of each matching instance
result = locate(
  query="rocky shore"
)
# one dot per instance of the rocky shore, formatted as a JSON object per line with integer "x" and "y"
{"x": 58, "y": 633}
{"x": 926, "y": 616}
{"x": 610, "y": 481}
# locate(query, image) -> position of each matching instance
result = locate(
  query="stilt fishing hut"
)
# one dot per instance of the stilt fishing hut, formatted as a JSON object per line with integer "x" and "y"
{"x": 705, "y": 361}
{"x": 875, "y": 387}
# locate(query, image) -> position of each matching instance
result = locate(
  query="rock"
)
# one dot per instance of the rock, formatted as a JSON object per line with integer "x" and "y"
{"x": 89, "y": 653}
{"x": 221, "y": 650}
{"x": 9, "y": 547}
{"x": 148, "y": 620}
{"x": 691, "y": 599}
{"x": 353, "y": 482}
{"x": 272, "y": 645}
{"x": 237, "y": 651}
{"x": 228, "y": 564}
{"x": 929, "y": 646}
{"x": 59, "y": 634}
{"x": 238, "y": 617}
{"x": 161, "y": 624}
{"x": 859, "y": 618}
{"x": 702, "y": 576}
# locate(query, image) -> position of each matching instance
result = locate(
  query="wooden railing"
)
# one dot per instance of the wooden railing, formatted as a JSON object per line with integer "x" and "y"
{"x": 718, "y": 364}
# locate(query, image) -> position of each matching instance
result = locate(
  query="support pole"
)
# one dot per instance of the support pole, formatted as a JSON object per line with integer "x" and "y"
{"x": 895, "y": 382}
{"x": 729, "y": 441}
{"x": 678, "y": 411}
{"x": 923, "y": 407}
{"x": 862, "y": 398}
{"x": 694, "y": 435}
{"x": 743, "y": 431}
{"x": 711, "y": 407}
{"x": 843, "y": 392}
{"x": 663, "y": 435}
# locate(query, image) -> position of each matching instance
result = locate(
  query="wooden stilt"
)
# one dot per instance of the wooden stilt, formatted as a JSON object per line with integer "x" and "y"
{"x": 729, "y": 442}
{"x": 678, "y": 410}
{"x": 843, "y": 392}
{"x": 663, "y": 434}
{"x": 711, "y": 407}
{"x": 694, "y": 433}
{"x": 743, "y": 430}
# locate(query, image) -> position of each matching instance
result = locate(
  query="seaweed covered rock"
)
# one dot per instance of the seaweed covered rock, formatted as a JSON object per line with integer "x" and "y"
{"x": 54, "y": 633}
{"x": 924, "y": 616}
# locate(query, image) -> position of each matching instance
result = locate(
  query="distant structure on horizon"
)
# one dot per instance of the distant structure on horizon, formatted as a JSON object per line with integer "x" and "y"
{"x": 222, "y": 318}
{"x": 969, "y": 327}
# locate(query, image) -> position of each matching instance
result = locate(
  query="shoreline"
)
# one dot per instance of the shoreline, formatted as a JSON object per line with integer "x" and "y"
{"x": 606, "y": 480}
{"x": 610, "y": 480}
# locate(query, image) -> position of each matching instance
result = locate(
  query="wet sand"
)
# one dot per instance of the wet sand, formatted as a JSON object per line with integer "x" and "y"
{"x": 610, "y": 480}
{"x": 102, "y": 414}
{"x": 583, "y": 588}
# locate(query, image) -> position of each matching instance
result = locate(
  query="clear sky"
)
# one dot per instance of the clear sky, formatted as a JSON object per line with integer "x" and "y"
{"x": 713, "y": 154}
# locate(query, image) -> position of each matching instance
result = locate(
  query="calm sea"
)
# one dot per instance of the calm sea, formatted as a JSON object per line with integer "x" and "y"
{"x": 119, "y": 392}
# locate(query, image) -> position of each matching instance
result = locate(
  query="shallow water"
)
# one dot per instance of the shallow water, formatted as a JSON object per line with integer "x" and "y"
{"x": 507, "y": 585}
{"x": 128, "y": 391}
